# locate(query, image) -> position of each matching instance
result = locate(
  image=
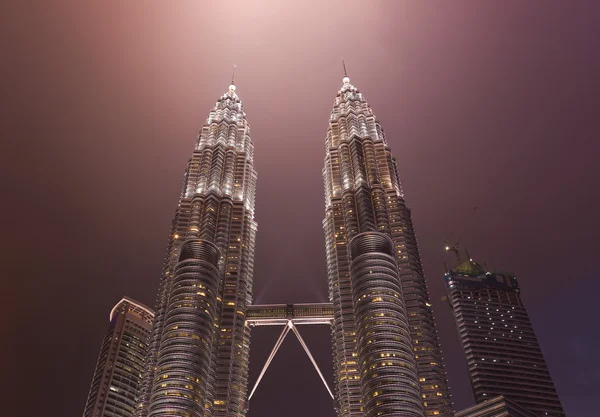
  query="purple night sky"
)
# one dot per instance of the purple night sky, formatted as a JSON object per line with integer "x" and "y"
{"x": 484, "y": 103}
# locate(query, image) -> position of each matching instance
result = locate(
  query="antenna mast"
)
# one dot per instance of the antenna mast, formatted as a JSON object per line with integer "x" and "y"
{"x": 233, "y": 75}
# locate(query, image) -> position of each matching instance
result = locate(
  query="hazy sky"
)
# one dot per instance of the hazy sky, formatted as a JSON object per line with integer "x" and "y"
{"x": 484, "y": 103}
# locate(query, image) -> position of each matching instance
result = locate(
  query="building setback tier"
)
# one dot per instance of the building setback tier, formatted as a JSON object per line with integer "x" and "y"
{"x": 496, "y": 407}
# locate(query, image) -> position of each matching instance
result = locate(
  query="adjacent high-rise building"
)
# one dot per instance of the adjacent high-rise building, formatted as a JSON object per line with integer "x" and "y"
{"x": 387, "y": 357}
{"x": 119, "y": 368}
{"x": 501, "y": 349}
{"x": 198, "y": 360}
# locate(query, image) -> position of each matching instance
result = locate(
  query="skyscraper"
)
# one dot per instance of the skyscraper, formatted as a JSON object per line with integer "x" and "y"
{"x": 119, "y": 368}
{"x": 502, "y": 351}
{"x": 198, "y": 360}
{"x": 387, "y": 357}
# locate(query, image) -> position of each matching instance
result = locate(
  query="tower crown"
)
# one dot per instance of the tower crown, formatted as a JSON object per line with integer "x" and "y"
{"x": 227, "y": 124}
{"x": 352, "y": 116}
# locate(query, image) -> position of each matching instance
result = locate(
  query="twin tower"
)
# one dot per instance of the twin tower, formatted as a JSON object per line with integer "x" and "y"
{"x": 387, "y": 358}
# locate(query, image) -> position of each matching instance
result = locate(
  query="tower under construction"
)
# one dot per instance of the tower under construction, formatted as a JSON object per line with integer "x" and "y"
{"x": 503, "y": 355}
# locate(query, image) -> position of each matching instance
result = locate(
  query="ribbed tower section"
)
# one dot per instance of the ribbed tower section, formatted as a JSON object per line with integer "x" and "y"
{"x": 198, "y": 360}
{"x": 387, "y": 358}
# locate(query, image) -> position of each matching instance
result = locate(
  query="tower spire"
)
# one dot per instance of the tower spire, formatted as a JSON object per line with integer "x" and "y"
{"x": 345, "y": 80}
{"x": 344, "y": 65}
{"x": 232, "y": 85}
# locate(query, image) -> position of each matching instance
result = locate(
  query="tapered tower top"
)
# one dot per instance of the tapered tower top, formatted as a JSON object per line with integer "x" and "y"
{"x": 351, "y": 116}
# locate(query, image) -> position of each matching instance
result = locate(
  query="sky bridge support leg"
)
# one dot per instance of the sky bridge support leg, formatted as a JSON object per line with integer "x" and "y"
{"x": 284, "y": 333}
{"x": 297, "y": 333}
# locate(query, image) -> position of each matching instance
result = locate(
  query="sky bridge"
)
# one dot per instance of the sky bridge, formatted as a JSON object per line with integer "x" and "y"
{"x": 280, "y": 314}
{"x": 289, "y": 316}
